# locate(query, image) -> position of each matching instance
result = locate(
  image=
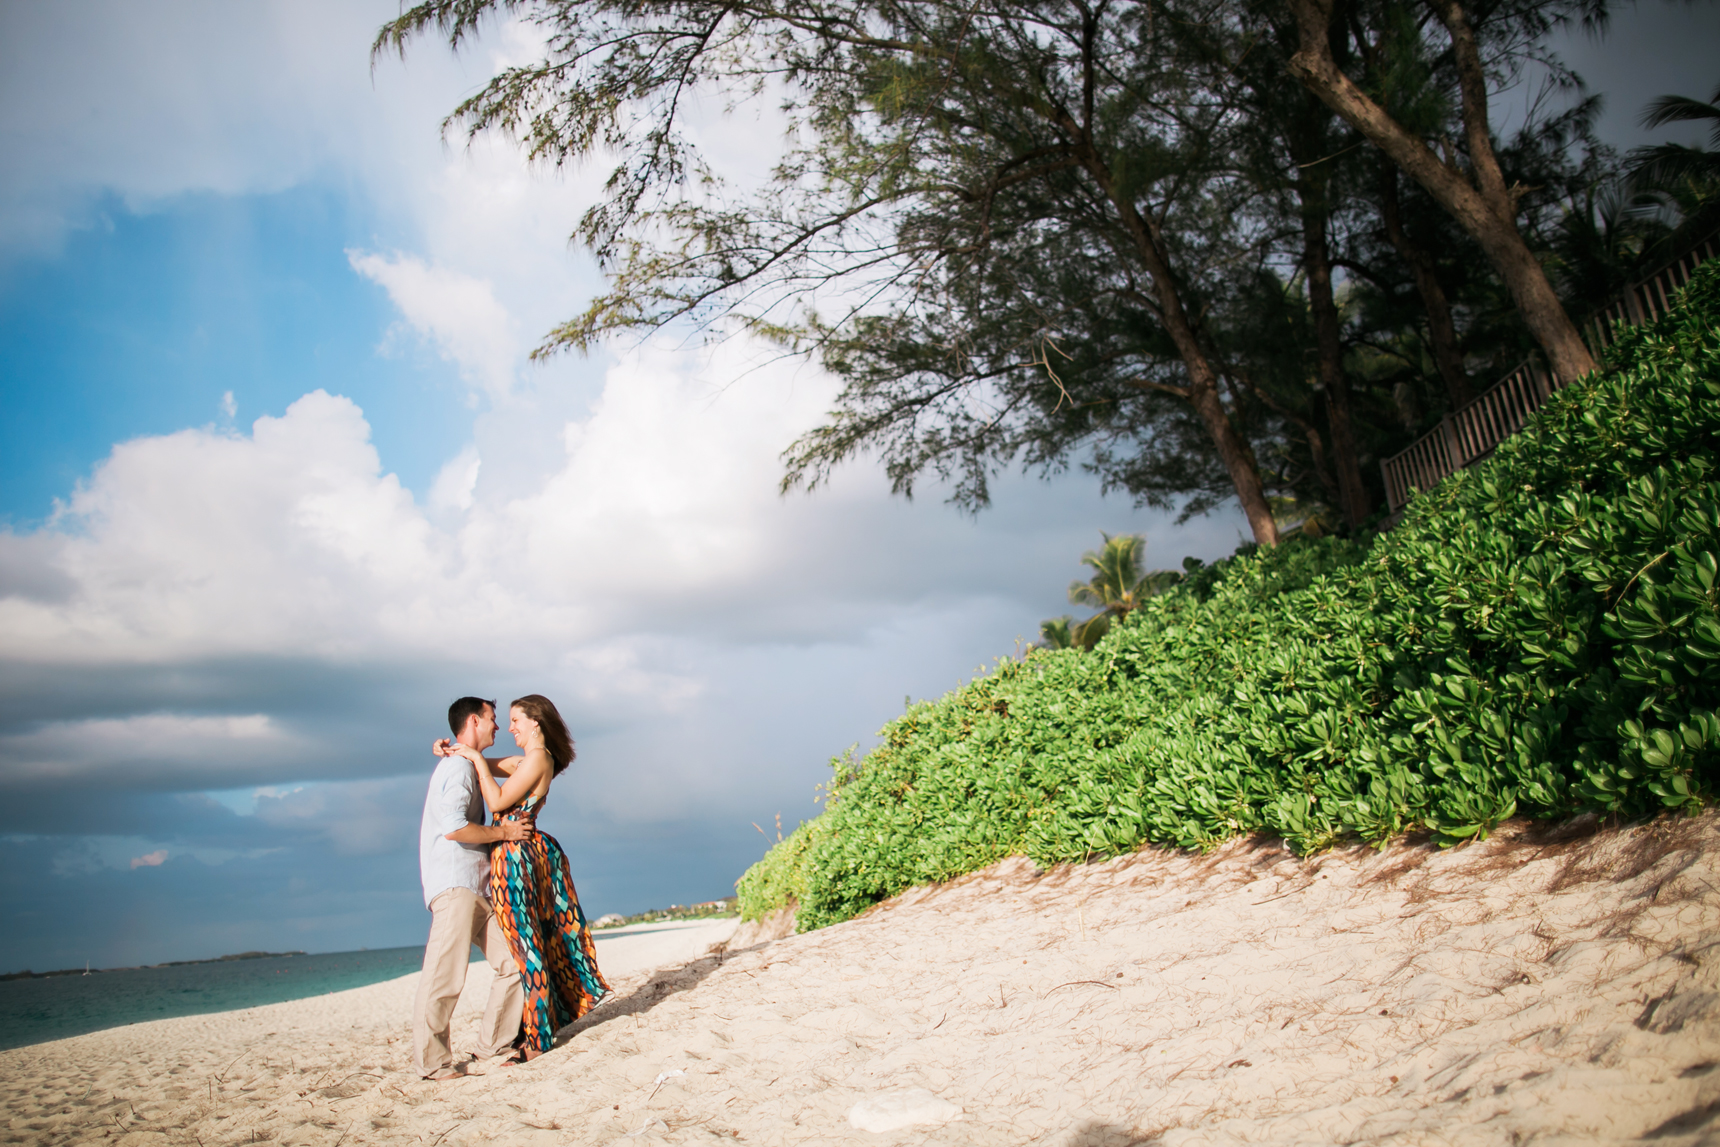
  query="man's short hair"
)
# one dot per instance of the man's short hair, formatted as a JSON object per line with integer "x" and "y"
{"x": 463, "y": 709}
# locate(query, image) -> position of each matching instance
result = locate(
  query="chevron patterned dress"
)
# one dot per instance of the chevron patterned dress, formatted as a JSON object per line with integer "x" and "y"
{"x": 531, "y": 891}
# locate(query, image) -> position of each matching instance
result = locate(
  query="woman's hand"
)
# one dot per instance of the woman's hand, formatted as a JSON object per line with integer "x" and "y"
{"x": 525, "y": 777}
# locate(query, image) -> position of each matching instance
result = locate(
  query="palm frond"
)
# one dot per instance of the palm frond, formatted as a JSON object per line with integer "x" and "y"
{"x": 1665, "y": 165}
{"x": 1681, "y": 109}
{"x": 1089, "y": 632}
{"x": 1054, "y": 633}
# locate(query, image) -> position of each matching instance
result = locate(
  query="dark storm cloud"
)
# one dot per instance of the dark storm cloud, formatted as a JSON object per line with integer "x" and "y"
{"x": 333, "y": 721}
{"x": 166, "y": 818}
{"x": 187, "y": 909}
{"x": 1648, "y": 50}
{"x": 34, "y": 694}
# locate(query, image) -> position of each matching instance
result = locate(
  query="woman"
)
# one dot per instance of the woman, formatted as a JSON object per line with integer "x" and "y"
{"x": 531, "y": 889}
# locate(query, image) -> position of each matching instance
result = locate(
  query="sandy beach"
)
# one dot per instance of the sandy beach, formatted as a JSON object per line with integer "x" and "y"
{"x": 1544, "y": 986}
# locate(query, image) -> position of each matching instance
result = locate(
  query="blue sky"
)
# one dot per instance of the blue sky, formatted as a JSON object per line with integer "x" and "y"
{"x": 145, "y": 322}
{"x": 280, "y": 484}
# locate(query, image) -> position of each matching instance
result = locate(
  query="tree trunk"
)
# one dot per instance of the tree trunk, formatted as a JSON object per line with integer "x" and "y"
{"x": 1316, "y": 263}
{"x": 1238, "y": 459}
{"x": 1316, "y": 444}
{"x": 1203, "y": 394}
{"x": 1486, "y": 210}
{"x": 1441, "y": 331}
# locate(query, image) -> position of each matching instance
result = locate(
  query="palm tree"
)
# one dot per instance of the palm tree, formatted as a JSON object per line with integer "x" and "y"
{"x": 1610, "y": 236}
{"x": 1117, "y": 586}
{"x": 1054, "y": 633}
{"x": 1685, "y": 179}
{"x": 1665, "y": 164}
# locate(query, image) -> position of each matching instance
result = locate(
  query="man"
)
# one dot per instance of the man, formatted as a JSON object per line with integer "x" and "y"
{"x": 454, "y": 863}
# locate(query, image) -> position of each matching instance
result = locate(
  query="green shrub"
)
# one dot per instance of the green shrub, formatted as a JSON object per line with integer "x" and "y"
{"x": 1539, "y": 636}
{"x": 779, "y": 879}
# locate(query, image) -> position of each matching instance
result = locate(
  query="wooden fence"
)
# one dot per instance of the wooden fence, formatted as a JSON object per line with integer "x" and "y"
{"x": 1470, "y": 433}
{"x": 1650, "y": 299}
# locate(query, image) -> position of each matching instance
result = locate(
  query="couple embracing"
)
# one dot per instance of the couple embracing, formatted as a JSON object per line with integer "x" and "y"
{"x": 501, "y": 885}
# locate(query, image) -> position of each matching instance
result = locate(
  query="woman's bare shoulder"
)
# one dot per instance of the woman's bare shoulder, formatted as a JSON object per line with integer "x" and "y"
{"x": 540, "y": 759}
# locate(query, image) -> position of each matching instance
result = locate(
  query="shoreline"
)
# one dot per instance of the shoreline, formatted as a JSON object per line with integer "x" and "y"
{"x": 27, "y": 974}
{"x": 658, "y": 916}
{"x": 1524, "y": 988}
{"x": 56, "y": 1007}
{"x": 624, "y": 947}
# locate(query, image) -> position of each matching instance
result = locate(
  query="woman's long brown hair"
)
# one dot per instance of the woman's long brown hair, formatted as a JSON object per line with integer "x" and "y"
{"x": 542, "y": 710}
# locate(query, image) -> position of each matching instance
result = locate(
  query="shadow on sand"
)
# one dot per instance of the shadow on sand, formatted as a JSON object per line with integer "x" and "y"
{"x": 664, "y": 982}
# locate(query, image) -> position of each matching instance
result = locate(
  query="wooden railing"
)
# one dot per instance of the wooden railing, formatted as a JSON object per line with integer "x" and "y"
{"x": 1472, "y": 431}
{"x": 1468, "y": 434}
{"x": 1650, "y": 299}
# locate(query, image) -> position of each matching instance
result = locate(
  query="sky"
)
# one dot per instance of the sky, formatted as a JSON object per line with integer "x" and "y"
{"x": 280, "y": 484}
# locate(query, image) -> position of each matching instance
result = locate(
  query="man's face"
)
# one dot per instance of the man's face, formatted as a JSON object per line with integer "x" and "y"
{"x": 482, "y": 726}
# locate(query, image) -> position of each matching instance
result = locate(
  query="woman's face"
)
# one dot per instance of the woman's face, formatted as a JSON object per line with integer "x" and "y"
{"x": 523, "y": 728}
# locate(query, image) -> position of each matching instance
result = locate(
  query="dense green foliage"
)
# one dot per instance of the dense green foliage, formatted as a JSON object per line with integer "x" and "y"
{"x": 1538, "y": 637}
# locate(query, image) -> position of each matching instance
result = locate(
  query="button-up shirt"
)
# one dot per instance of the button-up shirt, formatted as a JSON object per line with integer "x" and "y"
{"x": 453, "y": 802}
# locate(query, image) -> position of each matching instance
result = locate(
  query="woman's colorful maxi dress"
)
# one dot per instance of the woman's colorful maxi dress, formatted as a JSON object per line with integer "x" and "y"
{"x": 532, "y": 894}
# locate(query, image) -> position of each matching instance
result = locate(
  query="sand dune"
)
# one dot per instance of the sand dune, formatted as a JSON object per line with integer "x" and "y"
{"x": 1534, "y": 988}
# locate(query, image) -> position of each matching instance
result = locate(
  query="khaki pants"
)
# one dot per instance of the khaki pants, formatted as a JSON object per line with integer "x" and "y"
{"x": 460, "y": 918}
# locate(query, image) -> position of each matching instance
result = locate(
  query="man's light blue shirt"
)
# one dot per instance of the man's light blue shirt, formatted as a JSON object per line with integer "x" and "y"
{"x": 453, "y": 802}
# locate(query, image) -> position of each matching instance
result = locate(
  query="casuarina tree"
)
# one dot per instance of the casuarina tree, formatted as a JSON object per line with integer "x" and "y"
{"x": 995, "y": 227}
{"x": 1354, "y": 56}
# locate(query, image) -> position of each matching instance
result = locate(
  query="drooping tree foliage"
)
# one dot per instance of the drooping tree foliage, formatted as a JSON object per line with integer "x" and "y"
{"x": 1007, "y": 214}
{"x": 1167, "y": 240}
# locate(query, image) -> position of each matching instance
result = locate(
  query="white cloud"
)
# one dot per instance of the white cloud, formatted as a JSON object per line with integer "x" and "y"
{"x": 204, "y": 542}
{"x": 457, "y": 313}
{"x": 452, "y": 489}
{"x": 150, "y": 101}
{"x": 668, "y": 490}
{"x": 293, "y": 542}
{"x": 611, "y": 534}
{"x": 651, "y": 579}
{"x": 662, "y": 516}
{"x": 150, "y": 859}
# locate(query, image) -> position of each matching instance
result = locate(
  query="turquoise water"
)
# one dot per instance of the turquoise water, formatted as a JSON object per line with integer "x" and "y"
{"x": 32, "y": 1011}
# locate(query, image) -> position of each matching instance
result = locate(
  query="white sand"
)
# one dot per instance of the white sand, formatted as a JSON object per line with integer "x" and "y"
{"x": 623, "y": 952}
{"x": 1524, "y": 990}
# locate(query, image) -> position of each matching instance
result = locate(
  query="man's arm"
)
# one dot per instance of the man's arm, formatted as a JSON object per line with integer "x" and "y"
{"x": 489, "y": 834}
{"x": 451, "y": 804}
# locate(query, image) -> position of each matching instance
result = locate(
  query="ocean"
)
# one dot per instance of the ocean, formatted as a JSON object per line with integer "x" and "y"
{"x": 35, "y": 1010}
